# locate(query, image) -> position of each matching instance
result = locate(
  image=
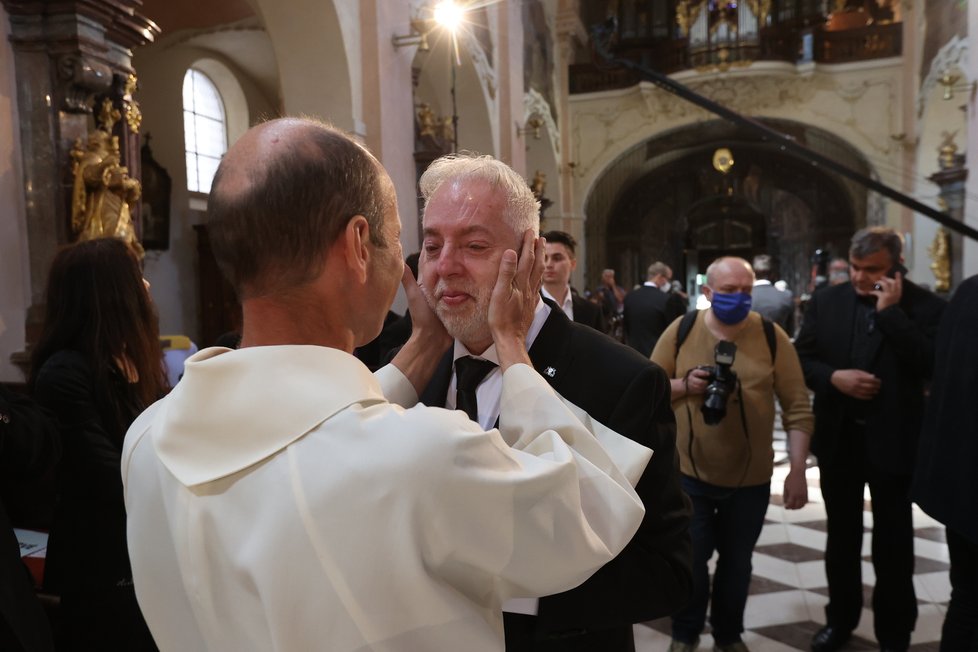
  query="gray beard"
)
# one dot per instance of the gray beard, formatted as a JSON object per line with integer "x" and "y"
{"x": 470, "y": 324}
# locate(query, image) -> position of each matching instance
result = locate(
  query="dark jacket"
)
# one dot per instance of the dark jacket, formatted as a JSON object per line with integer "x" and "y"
{"x": 87, "y": 557}
{"x": 587, "y": 313}
{"x": 648, "y": 311}
{"x": 945, "y": 484}
{"x": 652, "y": 576}
{"x": 29, "y": 446}
{"x": 902, "y": 358}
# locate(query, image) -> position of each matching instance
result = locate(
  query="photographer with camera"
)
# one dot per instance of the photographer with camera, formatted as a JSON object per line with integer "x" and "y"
{"x": 727, "y": 365}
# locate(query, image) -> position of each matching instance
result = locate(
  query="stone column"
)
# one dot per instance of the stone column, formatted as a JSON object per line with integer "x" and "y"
{"x": 509, "y": 63}
{"x": 951, "y": 180}
{"x": 570, "y": 31}
{"x": 66, "y": 54}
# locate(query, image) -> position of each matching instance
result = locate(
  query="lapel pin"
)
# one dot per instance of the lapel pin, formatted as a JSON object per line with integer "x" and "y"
{"x": 550, "y": 371}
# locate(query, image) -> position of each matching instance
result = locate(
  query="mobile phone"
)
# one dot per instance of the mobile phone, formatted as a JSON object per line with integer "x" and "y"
{"x": 898, "y": 267}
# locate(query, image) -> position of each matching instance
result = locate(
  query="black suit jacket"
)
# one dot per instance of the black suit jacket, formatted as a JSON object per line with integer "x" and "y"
{"x": 648, "y": 311}
{"x": 652, "y": 576}
{"x": 945, "y": 483}
{"x": 587, "y": 313}
{"x": 29, "y": 446}
{"x": 903, "y": 359}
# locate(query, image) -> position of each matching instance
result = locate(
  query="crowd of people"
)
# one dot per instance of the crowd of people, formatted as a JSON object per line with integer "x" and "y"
{"x": 495, "y": 472}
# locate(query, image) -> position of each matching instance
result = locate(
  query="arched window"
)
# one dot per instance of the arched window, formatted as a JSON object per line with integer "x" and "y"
{"x": 204, "y": 129}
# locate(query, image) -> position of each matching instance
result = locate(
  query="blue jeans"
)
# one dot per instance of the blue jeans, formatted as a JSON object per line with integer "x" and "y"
{"x": 728, "y": 521}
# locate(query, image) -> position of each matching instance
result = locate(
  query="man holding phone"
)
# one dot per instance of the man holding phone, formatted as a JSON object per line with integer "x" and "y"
{"x": 867, "y": 350}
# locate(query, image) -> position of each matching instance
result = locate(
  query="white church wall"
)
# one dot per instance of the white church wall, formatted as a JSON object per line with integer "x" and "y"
{"x": 314, "y": 44}
{"x": 161, "y": 68}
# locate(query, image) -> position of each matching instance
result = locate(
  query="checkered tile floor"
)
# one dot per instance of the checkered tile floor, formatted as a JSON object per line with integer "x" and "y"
{"x": 788, "y": 590}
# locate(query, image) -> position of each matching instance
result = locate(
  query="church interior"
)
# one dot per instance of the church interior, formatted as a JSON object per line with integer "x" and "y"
{"x": 115, "y": 115}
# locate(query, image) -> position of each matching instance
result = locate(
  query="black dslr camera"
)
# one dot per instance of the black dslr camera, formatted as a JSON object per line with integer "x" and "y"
{"x": 722, "y": 382}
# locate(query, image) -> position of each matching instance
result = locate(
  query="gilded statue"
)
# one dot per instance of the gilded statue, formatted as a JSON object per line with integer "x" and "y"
{"x": 103, "y": 193}
{"x": 940, "y": 255}
{"x": 426, "y": 120}
{"x": 539, "y": 184}
{"x": 948, "y": 150}
{"x": 447, "y": 128}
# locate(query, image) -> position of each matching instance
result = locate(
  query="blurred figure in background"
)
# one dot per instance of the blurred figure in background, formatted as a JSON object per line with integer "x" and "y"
{"x": 612, "y": 301}
{"x": 96, "y": 366}
{"x": 838, "y": 271}
{"x": 650, "y": 308}
{"x": 772, "y": 302}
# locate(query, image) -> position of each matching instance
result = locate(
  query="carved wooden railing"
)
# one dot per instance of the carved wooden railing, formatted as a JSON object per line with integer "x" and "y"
{"x": 777, "y": 43}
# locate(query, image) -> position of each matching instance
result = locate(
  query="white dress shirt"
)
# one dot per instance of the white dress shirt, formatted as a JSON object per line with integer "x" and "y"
{"x": 567, "y": 305}
{"x": 488, "y": 393}
{"x": 277, "y": 500}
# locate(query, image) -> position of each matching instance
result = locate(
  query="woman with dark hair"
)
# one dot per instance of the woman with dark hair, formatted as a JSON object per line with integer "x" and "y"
{"x": 96, "y": 365}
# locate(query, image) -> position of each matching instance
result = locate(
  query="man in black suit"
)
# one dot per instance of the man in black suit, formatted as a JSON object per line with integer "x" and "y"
{"x": 650, "y": 308}
{"x": 475, "y": 209}
{"x": 559, "y": 260}
{"x": 867, "y": 350}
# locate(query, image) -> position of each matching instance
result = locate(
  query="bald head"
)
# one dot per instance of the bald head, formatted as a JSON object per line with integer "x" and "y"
{"x": 282, "y": 195}
{"x": 729, "y": 270}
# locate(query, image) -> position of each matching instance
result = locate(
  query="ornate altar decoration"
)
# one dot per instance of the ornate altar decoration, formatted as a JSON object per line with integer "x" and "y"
{"x": 940, "y": 255}
{"x": 948, "y": 150}
{"x": 103, "y": 194}
{"x": 433, "y": 133}
{"x": 539, "y": 186}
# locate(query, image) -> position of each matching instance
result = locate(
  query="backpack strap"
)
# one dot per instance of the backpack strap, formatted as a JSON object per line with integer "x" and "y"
{"x": 686, "y": 325}
{"x": 771, "y": 337}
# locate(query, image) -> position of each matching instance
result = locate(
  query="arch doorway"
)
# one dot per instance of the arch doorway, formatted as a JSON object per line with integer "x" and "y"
{"x": 665, "y": 200}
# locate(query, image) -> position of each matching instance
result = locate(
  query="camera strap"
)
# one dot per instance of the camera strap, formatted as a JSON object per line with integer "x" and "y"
{"x": 685, "y": 326}
{"x": 743, "y": 423}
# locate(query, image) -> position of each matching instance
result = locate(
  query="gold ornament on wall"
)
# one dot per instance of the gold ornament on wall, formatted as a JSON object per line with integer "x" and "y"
{"x": 539, "y": 184}
{"x": 687, "y": 11}
{"x": 426, "y": 120}
{"x": 948, "y": 150}
{"x": 940, "y": 255}
{"x": 103, "y": 193}
{"x": 761, "y": 9}
{"x": 723, "y": 160}
{"x": 134, "y": 117}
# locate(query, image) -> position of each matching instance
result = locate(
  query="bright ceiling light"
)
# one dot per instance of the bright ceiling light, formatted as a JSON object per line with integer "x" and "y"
{"x": 449, "y": 15}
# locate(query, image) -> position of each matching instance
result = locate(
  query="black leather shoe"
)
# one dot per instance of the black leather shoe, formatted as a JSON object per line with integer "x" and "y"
{"x": 829, "y": 639}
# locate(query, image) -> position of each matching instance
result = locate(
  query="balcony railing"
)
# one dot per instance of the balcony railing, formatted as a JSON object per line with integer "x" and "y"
{"x": 777, "y": 43}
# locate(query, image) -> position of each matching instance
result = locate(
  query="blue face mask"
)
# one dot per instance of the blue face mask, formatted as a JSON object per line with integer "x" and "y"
{"x": 731, "y": 308}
